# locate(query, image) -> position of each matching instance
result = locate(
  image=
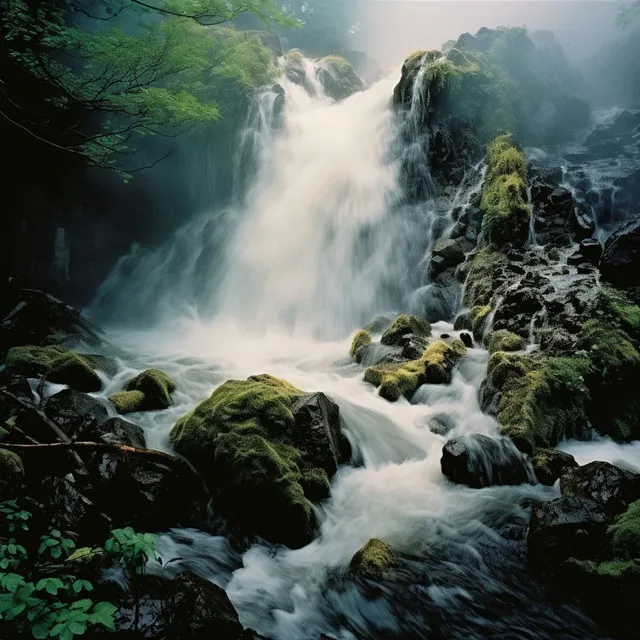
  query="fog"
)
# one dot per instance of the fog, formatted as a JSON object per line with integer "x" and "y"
{"x": 388, "y": 30}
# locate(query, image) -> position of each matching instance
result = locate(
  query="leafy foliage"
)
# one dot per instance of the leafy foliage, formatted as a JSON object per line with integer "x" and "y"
{"x": 34, "y": 601}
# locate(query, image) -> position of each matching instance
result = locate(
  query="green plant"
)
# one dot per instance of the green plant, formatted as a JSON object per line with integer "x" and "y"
{"x": 132, "y": 550}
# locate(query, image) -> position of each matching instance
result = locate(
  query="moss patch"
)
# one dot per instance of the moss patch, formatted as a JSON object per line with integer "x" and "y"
{"x": 484, "y": 277}
{"x": 11, "y": 468}
{"x": 58, "y": 365}
{"x": 479, "y": 317}
{"x": 504, "y": 194}
{"x": 403, "y": 379}
{"x": 625, "y": 533}
{"x": 149, "y": 391}
{"x": 374, "y": 560}
{"x": 361, "y": 339}
{"x": 541, "y": 399}
{"x": 128, "y": 401}
{"x": 504, "y": 340}
{"x": 403, "y": 326}
{"x": 241, "y": 440}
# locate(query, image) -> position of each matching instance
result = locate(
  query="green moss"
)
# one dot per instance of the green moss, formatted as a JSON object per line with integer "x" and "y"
{"x": 157, "y": 387}
{"x": 479, "y": 317}
{"x": 503, "y": 340}
{"x": 11, "y": 468}
{"x": 315, "y": 484}
{"x": 242, "y": 441}
{"x": 338, "y": 62}
{"x": 542, "y": 399}
{"x": 361, "y": 339}
{"x": 625, "y": 533}
{"x": 128, "y": 401}
{"x": 483, "y": 278}
{"x": 403, "y": 326}
{"x": 403, "y": 379}
{"x": 617, "y": 568}
{"x": 505, "y": 212}
{"x": 374, "y": 560}
{"x": 56, "y": 364}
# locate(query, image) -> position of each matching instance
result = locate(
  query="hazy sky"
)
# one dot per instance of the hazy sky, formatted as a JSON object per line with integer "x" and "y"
{"x": 391, "y": 29}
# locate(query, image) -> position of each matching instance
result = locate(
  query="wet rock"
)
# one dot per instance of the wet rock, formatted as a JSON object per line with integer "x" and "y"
{"x": 34, "y": 317}
{"x": 361, "y": 339}
{"x": 620, "y": 263}
{"x": 569, "y": 527}
{"x": 479, "y": 461}
{"x": 149, "y": 391}
{"x": 197, "y": 609}
{"x": 581, "y": 222}
{"x": 374, "y": 561}
{"x": 446, "y": 254}
{"x": 464, "y": 320}
{"x": 376, "y": 353}
{"x": 404, "y": 328}
{"x": 549, "y": 464}
{"x": 414, "y": 347}
{"x": 467, "y": 340}
{"x": 440, "y": 424}
{"x": 612, "y": 488}
{"x": 338, "y": 77}
{"x": 591, "y": 249}
{"x": 575, "y": 259}
{"x": 74, "y": 411}
{"x": 585, "y": 268}
{"x": 503, "y": 340}
{"x": 115, "y": 431}
{"x": 319, "y": 437}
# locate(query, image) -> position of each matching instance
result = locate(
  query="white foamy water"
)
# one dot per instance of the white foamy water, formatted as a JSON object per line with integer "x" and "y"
{"x": 323, "y": 242}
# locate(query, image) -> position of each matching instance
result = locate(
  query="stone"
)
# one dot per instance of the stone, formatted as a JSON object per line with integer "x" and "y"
{"x": 549, "y": 464}
{"x": 149, "y": 391}
{"x": 612, "y": 488}
{"x": 479, "y": 461}
{"x": 373, "y": 561}
{"x": 591, "y": 250}
{"x": 403, "y": 328}
{"x": 620, "y": 263}
{"x": 74, "y": 411}
{"x": 467, "y": 340}
{"x": 116, "y": 431}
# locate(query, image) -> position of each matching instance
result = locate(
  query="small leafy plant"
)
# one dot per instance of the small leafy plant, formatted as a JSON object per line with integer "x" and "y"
{"x": 40, "y": 605}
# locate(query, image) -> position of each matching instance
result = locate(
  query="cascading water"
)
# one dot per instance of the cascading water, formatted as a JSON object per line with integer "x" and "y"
{"x": 325, "y": 241}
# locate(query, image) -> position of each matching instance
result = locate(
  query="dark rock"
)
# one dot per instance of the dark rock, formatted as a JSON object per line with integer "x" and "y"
{"x": 33, "y": 317}
{"x": 338, "y": 77}
{"x": 318, "y": 434}
{"x": 591, "y": 249}
{"x": 549, "y": 464}
{"x": 197, "y": 609}
{"x": 620, "y": 263}
{"x": 74, "y": 411}
{"x": 115, "y": 431}
{"x": 585, "y": 267}
{"x": 581, "y": 222}
{"x": 464, "y": 320}
{"x": 414, "y": 347}
{"x": 467, "y": 340}
{"x": 479, "y": 461}
{"x": 446, "y": 254}
{"x": 612, "y": 488}
{"x": 575, "y": 259}
{"x": 569, "y": 527}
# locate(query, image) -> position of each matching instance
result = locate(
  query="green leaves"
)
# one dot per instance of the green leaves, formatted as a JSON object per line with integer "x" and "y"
{"x": 132, "y": 549}
{"x": 55, "y": 545}
{"x": 12, "y": 517}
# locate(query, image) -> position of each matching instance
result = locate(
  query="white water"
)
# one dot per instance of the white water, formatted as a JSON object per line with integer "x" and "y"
{"x": 321, "y": 244}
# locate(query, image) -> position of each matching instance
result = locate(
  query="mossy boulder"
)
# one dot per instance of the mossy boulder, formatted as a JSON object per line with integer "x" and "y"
{"x": 485, "y": 277}
{"x": 56, "y": 364}
{"x": 361, "y": 339}
{"x": 504, "y": 340}
{"x": 262, "y": 446}
{"x": 403, "y": 328}
{"x": 537, "y": 400}
{"x": 11, "y": 470}
{"x": 403, "y": 379}
{"x": 549, "y": 464}
{"x": 479, "y": 319}
{"x": 338, "y": 77}
{"x": 149, "y": 391}
{"x": 505, "y": 212}
{"x": 373, "y": 561}
{"x": 624, "y": 535}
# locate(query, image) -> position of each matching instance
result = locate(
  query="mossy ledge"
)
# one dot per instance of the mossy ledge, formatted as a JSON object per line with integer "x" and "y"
{"x": 505, "y": 212}
{"x": 244, "y": 441}
{"x": 56, "y": 364}
{"x": 403, "y": 379}
{"x": 149, "y": 391}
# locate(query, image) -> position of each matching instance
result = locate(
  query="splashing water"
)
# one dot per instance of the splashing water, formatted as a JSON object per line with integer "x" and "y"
{"x": 324, "y": 240}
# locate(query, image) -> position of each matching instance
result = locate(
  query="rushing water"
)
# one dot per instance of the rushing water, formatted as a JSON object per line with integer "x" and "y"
{"x": 322, "y": 242}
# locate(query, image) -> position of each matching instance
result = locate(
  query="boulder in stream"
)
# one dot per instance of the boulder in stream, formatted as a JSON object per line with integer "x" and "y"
{"x": 149, "y": 391}
{"x": 620, "y": 263}
{"x": 480, "y": 461}
{"x": 374, "y": 560}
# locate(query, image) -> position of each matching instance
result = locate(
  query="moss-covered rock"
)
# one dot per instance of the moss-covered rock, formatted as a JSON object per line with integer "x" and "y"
{"x": 361, "y": 339}
{"x": 248, "y": 440}
{"x": 55, "y": 364}
{"x": 403, "y": 379}
{"x": 338, "y": 77}
{"x": 549, "y": 464}
{"x": 11, "y": 469}
{"x": 479, "y": 318}
{"x": 504, "y": 194}
{"x": 624, "y": 535}
{"x": 403, "y": 327}
{"x": 149, "y": 391}
{"x": 503, "y": 340}
{"x": 537, "y": 399}
{"x": 374, "y": 560}
{"x": 484, "y": 277}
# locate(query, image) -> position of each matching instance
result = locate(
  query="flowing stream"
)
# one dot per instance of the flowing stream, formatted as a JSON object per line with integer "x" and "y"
{"x": 321, "y": 243}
